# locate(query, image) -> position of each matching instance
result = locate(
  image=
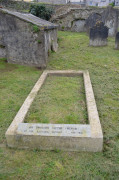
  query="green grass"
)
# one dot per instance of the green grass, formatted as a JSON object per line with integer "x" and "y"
{"x": 61, "y": 100}
{"x": 17, "y": 81}
{"x": 15, "y": 84}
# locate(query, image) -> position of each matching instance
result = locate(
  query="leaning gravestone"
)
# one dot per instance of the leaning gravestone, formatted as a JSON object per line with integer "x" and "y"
{"x": 98, "y": 34}
{"x": 92, "y": 20}
{"x": 117, "y": 41}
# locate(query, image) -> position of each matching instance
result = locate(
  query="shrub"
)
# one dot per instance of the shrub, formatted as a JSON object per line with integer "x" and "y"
{"x": 112, "y": 4}
{"x": 41, "y": 11}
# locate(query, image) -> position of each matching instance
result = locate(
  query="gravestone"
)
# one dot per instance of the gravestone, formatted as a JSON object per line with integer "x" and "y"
{"x": 98, "y": 34}
{"x": 92, "y": 20}
{"x": 109, "y": 16}
{"x": 117, "y": 41}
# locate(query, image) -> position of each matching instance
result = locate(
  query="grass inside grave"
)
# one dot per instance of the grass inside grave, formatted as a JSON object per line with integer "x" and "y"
{"x": 17, "y": 81}
{"x": 61, "y": 100}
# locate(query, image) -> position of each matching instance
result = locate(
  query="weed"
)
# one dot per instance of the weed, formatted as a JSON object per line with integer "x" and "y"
{"x": 39, "y": 41}
{"x": 36, "y": 29}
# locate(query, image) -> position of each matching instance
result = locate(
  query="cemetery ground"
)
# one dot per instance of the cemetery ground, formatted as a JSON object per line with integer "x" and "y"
{"x": 16, "y": 82}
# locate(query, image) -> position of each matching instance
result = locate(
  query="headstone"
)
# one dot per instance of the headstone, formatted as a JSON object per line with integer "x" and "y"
{"x": 109, "y": 16}
{"x": 92, "y": 20}
{"x": 117, "y": 41}
{"x": 98, "y": 34}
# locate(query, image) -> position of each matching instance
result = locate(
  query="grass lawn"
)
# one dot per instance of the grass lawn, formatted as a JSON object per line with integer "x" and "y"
{"x": 61, "y": 100}
{"x": 17, "y": 81}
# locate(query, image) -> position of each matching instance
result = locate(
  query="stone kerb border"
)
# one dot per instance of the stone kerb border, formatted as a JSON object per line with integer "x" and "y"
{"x": 68, "y": 137}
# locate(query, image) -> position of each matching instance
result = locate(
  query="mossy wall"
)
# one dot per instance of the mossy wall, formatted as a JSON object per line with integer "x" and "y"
{"x": 21, "y": 6}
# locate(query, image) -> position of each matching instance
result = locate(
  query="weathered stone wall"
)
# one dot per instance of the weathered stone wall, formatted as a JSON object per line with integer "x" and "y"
{"x": 23, "y": 44}
{"x": 15, "y": 5}
{"x": 50, "y": 37}
{"x": 23, "y": 6}
{"x": 110, "y": 17}
{"x": 2, "y": 52}
{"x": 73, "y": 19}
{"x": 76, "y": 19}
{"x": 54, "y": 1}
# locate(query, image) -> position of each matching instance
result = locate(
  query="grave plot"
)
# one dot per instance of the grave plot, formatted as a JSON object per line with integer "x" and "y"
{"x": 69, "y": 137}
{"x": 61, "y": 100}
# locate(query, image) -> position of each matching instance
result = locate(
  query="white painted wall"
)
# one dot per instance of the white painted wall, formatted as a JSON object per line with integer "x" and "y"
{"x": 99, "y": 2}
{"x": 75, "y": 1}
{"x": 88, "y": 2}
{"x": 116, "y": 2}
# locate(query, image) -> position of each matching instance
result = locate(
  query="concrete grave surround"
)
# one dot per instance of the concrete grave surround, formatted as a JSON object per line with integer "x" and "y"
{"x": 67, "y": 137}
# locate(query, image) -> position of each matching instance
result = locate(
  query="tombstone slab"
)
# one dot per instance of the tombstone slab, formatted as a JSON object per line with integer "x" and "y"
{"x": 27, "y": 38}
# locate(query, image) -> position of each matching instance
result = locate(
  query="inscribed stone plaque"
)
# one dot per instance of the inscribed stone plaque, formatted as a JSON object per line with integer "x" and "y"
{"x": 71, "y": 130}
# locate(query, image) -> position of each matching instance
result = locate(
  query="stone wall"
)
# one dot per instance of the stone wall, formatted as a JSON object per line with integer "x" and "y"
{"x": 73, "y": 19}
{"x": 25, "y": 42}
{"x": 23, "y": 6}
{"x": 110, "y": 17}
{"x": 2, "y": 51}
{"x": 19, "y": 6}
{"x": 76, "y": 19}
{"x": 54, "y": 1}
